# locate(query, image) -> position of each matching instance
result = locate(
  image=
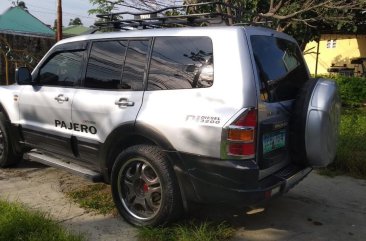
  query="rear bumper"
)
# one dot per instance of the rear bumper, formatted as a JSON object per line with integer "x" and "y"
{"x": 236, "y": 182}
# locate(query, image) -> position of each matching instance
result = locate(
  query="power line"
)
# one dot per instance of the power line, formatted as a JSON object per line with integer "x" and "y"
{"x": 51, "y": 11}
{"x": 65, "y": 13}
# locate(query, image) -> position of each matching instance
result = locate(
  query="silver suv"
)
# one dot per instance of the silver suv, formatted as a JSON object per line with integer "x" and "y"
{"x": 174, "y": 116}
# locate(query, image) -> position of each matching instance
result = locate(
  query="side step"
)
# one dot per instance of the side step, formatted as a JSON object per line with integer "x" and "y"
{"x": 71, "y": 167}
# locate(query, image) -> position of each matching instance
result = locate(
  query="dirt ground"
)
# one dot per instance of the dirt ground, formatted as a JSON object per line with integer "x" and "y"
{"x": 319, "y": 208}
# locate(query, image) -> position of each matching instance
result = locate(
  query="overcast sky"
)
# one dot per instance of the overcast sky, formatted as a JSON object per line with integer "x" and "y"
{"x": 45, "y": 10}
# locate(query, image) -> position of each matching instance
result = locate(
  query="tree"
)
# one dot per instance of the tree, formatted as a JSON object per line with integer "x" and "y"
{"x": 54, "y": 25}
{"x": 106, "y": 6}
{"x": 303, "y": 19}
{"x": 75, "y": 21}
{"x": 20, "y": 4}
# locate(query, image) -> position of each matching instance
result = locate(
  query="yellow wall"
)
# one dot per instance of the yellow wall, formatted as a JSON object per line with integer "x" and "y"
{"x": 347, "y": 47}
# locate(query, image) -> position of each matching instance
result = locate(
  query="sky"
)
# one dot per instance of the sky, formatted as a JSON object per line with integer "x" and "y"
{"x": 45, "y": 10}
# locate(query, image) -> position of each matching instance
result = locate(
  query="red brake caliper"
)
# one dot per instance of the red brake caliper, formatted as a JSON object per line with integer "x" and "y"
{"x": 145, "y": 187}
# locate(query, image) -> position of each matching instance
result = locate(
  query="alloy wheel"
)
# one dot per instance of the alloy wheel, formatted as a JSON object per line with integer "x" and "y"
{"x": 2, "y": 143}
{"x": 140, "y": 189}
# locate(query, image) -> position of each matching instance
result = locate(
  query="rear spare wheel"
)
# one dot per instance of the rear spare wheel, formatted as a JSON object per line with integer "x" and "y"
{"x": 315, "y": 121}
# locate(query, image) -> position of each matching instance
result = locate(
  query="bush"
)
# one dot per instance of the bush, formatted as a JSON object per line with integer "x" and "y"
{"x": 352, "y": 90}
{"x": 351, "y": 153}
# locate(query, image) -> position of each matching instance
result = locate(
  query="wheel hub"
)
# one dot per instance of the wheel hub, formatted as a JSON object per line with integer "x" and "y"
{"x": 140, "y": 189}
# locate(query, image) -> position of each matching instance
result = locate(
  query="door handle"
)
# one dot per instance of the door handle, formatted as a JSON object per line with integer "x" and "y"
{"x": 124, "y": 102}
{"x": 61, "y": 98}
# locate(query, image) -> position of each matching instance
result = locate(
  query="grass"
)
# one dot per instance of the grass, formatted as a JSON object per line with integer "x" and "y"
{"x": 98, "y": 198}
{"x": 188, "y": 232}
{"x": 351, "y": 153}
{"x": 19, "y": 224}
{"x": 94, "y": 197}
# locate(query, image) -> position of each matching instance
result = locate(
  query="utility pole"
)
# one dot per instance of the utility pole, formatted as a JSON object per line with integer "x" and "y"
{"x": 59, "y": 21}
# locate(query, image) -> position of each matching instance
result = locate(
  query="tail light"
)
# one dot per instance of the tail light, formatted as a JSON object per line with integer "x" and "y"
{"x": 239, "y": 137}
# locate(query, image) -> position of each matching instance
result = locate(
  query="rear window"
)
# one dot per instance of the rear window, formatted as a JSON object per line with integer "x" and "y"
{"x": 280, "y": 67}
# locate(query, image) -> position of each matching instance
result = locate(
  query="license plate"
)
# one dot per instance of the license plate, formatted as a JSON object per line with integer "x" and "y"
{"x": 274, "y": 141}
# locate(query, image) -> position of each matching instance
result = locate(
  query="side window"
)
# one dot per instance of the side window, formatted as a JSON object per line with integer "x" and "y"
{"x": 105, "y": 64}
{"x": 181, "y": 63}
{"x": 280, "y": 67}
{"x": 134, "y": 69}
{"x": 117, "y": 65}
{"x": 63, "y": 69}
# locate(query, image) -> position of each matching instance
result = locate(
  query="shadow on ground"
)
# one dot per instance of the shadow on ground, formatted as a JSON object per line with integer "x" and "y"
{"x": 319, "y": 208}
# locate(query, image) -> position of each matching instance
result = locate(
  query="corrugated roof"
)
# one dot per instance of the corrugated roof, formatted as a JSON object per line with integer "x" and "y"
{"x": 16, "y": 20}
{"x": 75, "y": 30}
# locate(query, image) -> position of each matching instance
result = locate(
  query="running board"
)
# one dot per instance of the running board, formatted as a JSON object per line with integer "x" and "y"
{"x": 71, "y": 167}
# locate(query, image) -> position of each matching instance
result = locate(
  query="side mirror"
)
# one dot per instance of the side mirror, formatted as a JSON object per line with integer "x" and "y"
{"x": 23, "y": 76}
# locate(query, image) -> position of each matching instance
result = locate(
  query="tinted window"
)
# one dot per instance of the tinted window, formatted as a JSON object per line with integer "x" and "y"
{"x": 105, "y": 65}
{"x": 280, "y": 66}
{"x": 181, "y": 63}
{"x": 134, "y": 69}
{"x": 63, "y": 69}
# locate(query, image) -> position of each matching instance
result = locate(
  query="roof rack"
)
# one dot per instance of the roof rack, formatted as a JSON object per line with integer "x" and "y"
{"x": 217, "y": 13}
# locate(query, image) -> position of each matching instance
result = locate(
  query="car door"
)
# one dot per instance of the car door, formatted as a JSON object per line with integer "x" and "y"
{"x": 281, "y": 73}
{"x": 45, "y": 106}
{"x": 112, "y": 92}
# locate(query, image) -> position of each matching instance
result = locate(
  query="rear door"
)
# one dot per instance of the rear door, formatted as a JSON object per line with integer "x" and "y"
{"x": 281, "y": 72}
{"x": 112, "y": 92}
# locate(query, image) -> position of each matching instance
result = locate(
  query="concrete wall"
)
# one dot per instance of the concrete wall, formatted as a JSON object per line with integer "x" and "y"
{"x": 347, "y": 47}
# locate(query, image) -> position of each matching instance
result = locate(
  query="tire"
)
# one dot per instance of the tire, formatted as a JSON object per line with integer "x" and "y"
{"x": 144, "y": 187}
{"x": 8, "y": 157}
{"x": 314, "y": 124}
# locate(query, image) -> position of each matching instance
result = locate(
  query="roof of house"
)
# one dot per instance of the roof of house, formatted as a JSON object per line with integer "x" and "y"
{"x": 75, "y": 30}
{"x": 18, "y": 21}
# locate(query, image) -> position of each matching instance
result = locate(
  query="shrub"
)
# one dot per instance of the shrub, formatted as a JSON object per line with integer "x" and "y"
{"x": 352, "y": 89}
{"x": 351, "y": 153}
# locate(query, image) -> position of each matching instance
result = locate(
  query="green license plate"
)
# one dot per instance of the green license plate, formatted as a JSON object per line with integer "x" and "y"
{"x": 273, "y": 141}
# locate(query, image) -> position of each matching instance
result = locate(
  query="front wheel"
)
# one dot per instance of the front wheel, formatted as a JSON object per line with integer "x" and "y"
{"x": 8, "y": 157}
{"x": 144, "y": 187}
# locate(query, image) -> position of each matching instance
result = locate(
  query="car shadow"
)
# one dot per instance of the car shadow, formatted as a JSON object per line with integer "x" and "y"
{"x": 26, "y": 164}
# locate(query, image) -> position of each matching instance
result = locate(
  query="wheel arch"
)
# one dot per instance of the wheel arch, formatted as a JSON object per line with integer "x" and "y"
{"x": 3, "y": 110}
{"x": 131, "y": 134}
{"x": 127, "y": 135}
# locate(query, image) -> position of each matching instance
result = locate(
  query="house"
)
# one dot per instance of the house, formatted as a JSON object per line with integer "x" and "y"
{"x": 24, "y": 39}
{"x": 75, "y": 30}
{"x": 338, "y": 53}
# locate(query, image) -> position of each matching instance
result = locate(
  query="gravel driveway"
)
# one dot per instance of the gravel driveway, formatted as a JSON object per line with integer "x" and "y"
{"x": 319, "y": 208}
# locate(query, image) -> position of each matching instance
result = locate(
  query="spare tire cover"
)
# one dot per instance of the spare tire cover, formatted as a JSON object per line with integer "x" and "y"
{"x": 315, "y": 123}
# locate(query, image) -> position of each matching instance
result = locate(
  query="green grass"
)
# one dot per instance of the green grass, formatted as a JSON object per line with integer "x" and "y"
{"x": 188, "y": 232}
{"x": 98, "y": 198}
{"x": 94, "y": 197}
{"x": 19, "y": 224}
{"x": 351, "y": 153}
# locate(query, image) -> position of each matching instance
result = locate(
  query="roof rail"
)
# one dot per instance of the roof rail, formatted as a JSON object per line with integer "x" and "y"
{"x": 216, "y": 13}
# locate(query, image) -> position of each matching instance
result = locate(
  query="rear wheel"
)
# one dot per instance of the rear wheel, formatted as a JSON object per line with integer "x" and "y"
{"x": 7, "y": 155}
{"x": 144, "y": 187}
